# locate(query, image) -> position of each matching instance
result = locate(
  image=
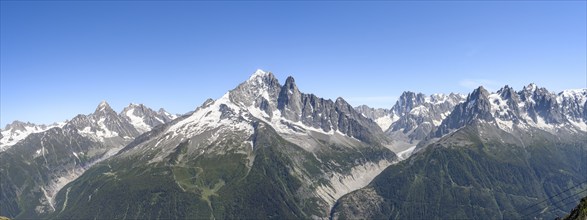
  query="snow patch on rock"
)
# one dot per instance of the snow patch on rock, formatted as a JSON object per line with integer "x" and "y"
{"x": 12, "y": 136}
{"x": 137, "y": 122}
{"x": 386, "y": 121}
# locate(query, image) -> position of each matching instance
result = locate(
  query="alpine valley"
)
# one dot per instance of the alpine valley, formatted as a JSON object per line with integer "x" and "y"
{"x": 267, "y": 150}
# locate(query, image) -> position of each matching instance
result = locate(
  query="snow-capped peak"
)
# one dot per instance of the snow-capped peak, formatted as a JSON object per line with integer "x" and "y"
{"x": 213, "y": 116}
{"x": 579, "y": 94}
{"x": 137, "y": 121}
{"x": 143, "y": 118}
{"x": 530, "y": 87}
{"x": 532, "y": 107}
{"x": 18, "y": 125}
{"x": 259, "y": 73}
{"x": 18, "y": 131}
{"x": 262, "y": 80}
{"x": 134, "y": 105}
{"x": 103, "y": 104}
{"x": 162, "y": 111}
{"x": 282, "y": 107}
{"x": 260, "y": 85}
{"x": 103, "y": 107}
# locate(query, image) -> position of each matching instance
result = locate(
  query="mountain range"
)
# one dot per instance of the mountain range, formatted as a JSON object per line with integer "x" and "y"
{"x": 492, "y": 157}
{"x": 267, "y": 150}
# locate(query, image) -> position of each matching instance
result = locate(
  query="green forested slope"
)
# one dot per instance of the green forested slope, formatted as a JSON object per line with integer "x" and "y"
{"x": 478, "y": 180}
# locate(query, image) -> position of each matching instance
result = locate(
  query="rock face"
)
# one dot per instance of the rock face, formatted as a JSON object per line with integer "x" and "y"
{"x": 413, "y": 116}
{"x": 103, "y": 124}
{"x": 419, "y": 114}
{"x": 374, "y": 113}
{"x": 264, "y": 92}
{"x": 144, "y": 119}
{"x": 532, "y": 107}
{"x": 476, "y": 107}
{"x": 43, "y": 159}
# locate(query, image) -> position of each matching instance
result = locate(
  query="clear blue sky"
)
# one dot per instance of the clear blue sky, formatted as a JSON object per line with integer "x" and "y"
{"x": 58, "y": 59}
